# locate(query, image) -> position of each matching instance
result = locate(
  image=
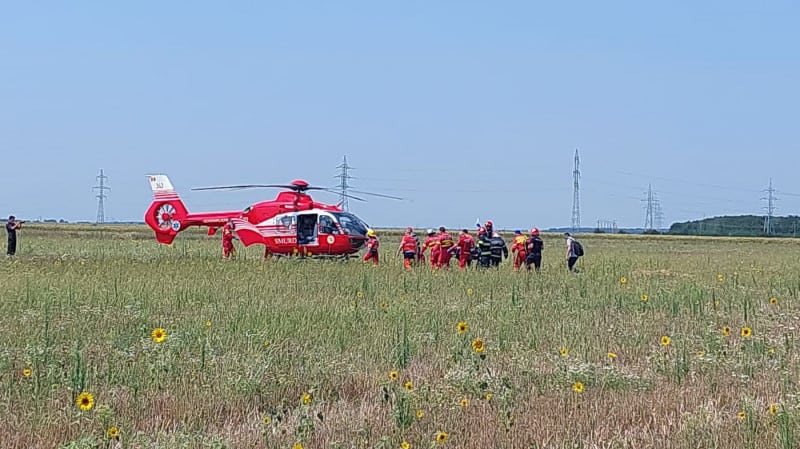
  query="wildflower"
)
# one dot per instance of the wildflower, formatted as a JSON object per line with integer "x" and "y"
{"x": 266, "y": 343}
{"x": 700, "y": 353}
{"x": 409, "y": 385}
{"x": 645, "y": 297}
{"x": 297, "y": 445}
{"x": 773, "y": 409}
{"x": 405, "y": 445}
{"x": 113, "y": 432}
{"x": 773, "y": 300}
{"x": 564, "y": 352}
{"x": 27, "y": 372}
{"x": 771, "y": 351}
{"x": 420, "y": 414}
{"x": 85, "y": 401}
{"x": 577, "y": 387}
{"x": 359, "y": 294}
{"x": 477, "y": 345}
{"x": 488, "y": 396}
{"x": 393, "y": 375}
{"x": 470, "y": 291}
{"x": 612, "y": 356}
{"x": 158, "y": 335}
{"x": 307, "y": 398}
{"x": 742, "y": 415}
{"x": 726, "y": 331}
{"x": 464, "y": 402}
{"x": 665, "y": 340}
{"x": 720, "y": 278}
{"x": 623, "y": 280}
{"x": 208, "y": 323}
{"x": 462, "y": 327}
{"x": 441, "y": 437}
{"x": 267, "y": 420}
{"x": 746, "y": 332}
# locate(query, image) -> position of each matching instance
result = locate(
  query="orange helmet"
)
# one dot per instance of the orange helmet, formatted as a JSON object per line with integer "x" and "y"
{"x": 535, "y": 231}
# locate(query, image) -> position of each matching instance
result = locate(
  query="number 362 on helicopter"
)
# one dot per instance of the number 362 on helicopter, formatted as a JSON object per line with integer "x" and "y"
{"x": 291, "y": 224}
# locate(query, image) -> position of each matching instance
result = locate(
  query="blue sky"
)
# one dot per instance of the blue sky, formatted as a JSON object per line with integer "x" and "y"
{"x": 470, "y": 109}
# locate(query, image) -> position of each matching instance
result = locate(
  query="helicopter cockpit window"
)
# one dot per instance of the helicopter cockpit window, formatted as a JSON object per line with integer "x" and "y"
{"x": 327, "y": 225}
{"x": 351, "y": 224}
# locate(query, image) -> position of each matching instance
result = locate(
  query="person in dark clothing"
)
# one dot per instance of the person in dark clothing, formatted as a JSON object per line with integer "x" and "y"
{"x": 499, "y": 250}
{"x": 534, "y": 246}
{"x": 572, "y": 256}
{"x": 11, "y": 228}
{"x": 484, "y": 247}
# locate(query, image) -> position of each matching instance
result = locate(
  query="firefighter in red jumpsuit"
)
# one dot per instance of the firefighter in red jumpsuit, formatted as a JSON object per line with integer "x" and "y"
{"x": 446, "y": 244}
{"x": 519, "y": 249}
{"x": 465, "y": 246}
{"x": 432, "y": 242}
{"x": 227, "y": 240}
{"x": 372, "y": 247}
{"x": 408, "y": 246}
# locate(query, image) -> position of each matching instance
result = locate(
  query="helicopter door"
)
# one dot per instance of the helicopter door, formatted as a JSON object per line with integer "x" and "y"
{"x": 307, "y": 229}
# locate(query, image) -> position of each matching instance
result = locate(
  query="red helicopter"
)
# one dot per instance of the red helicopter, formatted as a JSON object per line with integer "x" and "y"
{"x": 291, "y": 224}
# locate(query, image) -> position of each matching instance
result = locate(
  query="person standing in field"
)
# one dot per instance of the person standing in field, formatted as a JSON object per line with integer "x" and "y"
{"x": 534, "y": 246}
{"x": 372, "y": 247}
{"x": 498, "y": 249}
{"x": 408, "y": 246}
{"x": 519, "y": 250}
{"x": 432, "y": 242}
{"x": 465, "y": 245}
{"x": 484, "y": 245}
{"x": 12, "y": 225}
{"x": 227, "y": 240}
{"x": 572, "y": 256}
{"x": 446, "y": 243}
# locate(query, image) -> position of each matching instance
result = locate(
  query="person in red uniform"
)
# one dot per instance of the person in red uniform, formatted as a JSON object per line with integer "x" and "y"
{"x": 519, "y": 250}
{"x": 446, "y": 244}
{"x": 408, "y": 246}
{"x": 227, "y": 240}
{"x": 372, "y": 248}
{"x": 432, "y": 242}
{"x": 465, "y": 245}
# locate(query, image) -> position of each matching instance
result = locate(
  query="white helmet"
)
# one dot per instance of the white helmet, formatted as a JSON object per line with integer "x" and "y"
{"x": 430, "y": 231}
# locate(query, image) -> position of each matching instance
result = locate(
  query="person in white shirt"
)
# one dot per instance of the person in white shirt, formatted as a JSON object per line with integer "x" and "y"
{"x": 571, "y": 256}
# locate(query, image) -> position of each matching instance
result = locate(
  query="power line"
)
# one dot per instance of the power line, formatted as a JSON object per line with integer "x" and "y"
{"x": 653, "y": 214}
{"x": 769, "y": 229}
{"x": 576, "y": 199}
{"x": 101, "y": 196}
{"x": 344, "y": 176}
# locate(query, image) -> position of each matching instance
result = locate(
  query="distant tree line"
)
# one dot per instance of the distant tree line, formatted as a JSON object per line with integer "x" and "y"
{"x": 738, "y": 226}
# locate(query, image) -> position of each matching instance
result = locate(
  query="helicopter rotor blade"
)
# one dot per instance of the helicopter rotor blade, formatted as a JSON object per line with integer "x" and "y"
{"x": 379, "y": 195}
{"x": 336, "y": 192}
{"x": 245, "y": 186}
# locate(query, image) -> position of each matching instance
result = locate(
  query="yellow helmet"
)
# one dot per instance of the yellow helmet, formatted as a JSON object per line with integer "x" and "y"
{"x": 370, "y": 233}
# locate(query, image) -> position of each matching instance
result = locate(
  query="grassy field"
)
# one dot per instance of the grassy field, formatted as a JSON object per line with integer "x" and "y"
{"x": 632, "y": 352}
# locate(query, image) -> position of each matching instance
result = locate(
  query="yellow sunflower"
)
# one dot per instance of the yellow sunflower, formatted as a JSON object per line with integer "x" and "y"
{"x": 746, "y": 332}
{"x": 577, "y": 387}
{"x": 420, "y": 414}
{"x": 773, "y": 300}
{"x": 470, "y": 291}
{"x": 462, "y": 327}
{"x": 720, "y": 278}
{"x": 208, "y": 323}
{"x": 266, "y": 343}
{"x": 113, "y": 432}
{"x": 307, "y": 398}
{"x": 267, "y": 420}
{"x": 297, "y": 445}
{"x": 623, "y": 280}
{"x": 85, "y": 401}
{"x": 464, "y": 402}
{"x": 441, "y": 437}
{"x": 409, "y": 385}
{"x": 405, "y": 445}
{"x": 359, "y": 294}
{"x": 477, "y": 345}
{"x": 158, "y": 335}
{"x": 742, "y": 415}
{"x": 645, "y": 297}
{"x": 564, "y": 352}
{"x": 773, "y": 409}
{"x": 612, "y": 355}
{"x": 27, "y": 372}
{"x": 665, "y": 340}
{"x": 726, "y": 331}
{"x": 393, "y": 375}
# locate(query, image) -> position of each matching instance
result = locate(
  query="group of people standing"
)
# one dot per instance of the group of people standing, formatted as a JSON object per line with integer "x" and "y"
{"x": 487, "y": 249}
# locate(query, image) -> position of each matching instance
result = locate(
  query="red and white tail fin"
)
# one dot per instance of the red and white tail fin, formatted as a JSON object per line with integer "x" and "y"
{"x": 167, "y": 213}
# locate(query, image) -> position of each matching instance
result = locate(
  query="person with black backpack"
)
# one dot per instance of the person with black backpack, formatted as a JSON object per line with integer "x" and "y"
{"x": 574, "y": 251}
